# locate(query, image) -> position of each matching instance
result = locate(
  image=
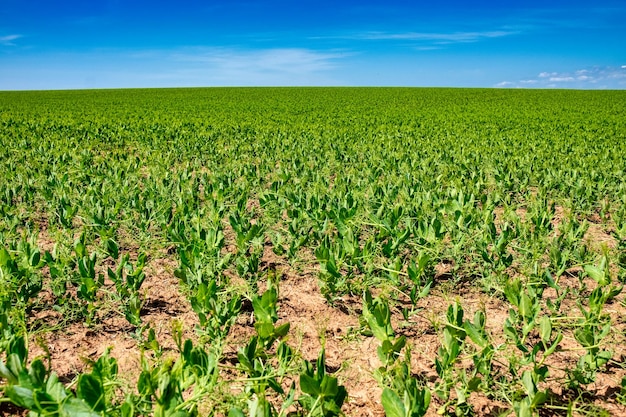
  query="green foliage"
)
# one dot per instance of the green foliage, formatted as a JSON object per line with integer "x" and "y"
{"x": 266, "y": 316}
{"x": 323, "y": 396}
{"x": 33, "y": 387}
{"x": 216, "y": 310}
{"x": 399, "y": 191}
{"x": 405, "y": 397}
{"x": 128, "y": 279}
{"x": 377, "y": 315}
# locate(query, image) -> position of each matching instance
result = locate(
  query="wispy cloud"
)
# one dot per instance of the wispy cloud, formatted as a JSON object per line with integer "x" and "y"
{"x": 8, "y": 40}
{"x": 177, "y": 67}
{"x": 277, "y": 60}
{"x": 590, "y": 78}
{"x": 436, "y": 37}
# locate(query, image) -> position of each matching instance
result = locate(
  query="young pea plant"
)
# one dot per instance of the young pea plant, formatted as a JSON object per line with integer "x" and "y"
{"x": 299, "y": 232}
{"x": 255, "y": 359}
{"x": 377, "y": 316}
{"x": 530, "y": 379}
{"x": 333, "y": 282}
{"x": 20, "y": 274}
{"x": 402, "y": 395}
{"x": 246, "y": 231}
{"x": 448, "y": 356}
{"x": 523, "y": 318}
{"x": 405, "y": 397}
{"x": 174, "y": 387}
{"x": 128, "y": 279}
{"x": 249, "y": 238}
{"x": 262, "y": 376}
{"x": 595, "y": 325}
{"x": 34, "y": 387}
{"x": 323, "y": 396}
{"x": 493, "y": 246}
{"x": 483, "y": 355}
{"x": 65, "y": 211}
{"x": 199, "y": 251}
{"x": 266, "y": 316}
{"x": 421, "y": 276}
{"x": 216, "y": 309}
{"x": 60, "y": 266}
{"x": 89, "y": 282}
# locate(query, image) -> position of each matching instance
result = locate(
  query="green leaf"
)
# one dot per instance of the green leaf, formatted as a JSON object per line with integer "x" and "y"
{"x": 35, "y": 258}
{"x": 20, "y": 396}
{"x": 378, "y": 317}
{"x": 523, "y": 409}
{"x": 7, "y": 374}
{"x": 75, "y": 407}
{"x": 545, "y": 329}
{"x": 265, "y": 330}
{"x": 329, "y": 386}
{"x": 275, "y": 385}
{"x": 37, "y": 372}
{"x": 526, "y": 306}
{"x": 474, "y": 334}
{"x": 529, "y": 384}
{"x": 282, "y": 330}
{"x": 538, "y": 399}
{"x": 5, "y": 257}
{"x": 597, "y": 274}
{"x": 265, "y": 306}
{"x": 392, "y": 404}
{"x": 55, "y": 388}
{"x": 584, "y": 337}
{"x": 91, "y": 390}
{"x": 128, "y": 408}
{"x": 235, "y": 412}
{"x": 552, "y": 348}
{"x": 309, "y": 385}
{"x": 17, "y": 346}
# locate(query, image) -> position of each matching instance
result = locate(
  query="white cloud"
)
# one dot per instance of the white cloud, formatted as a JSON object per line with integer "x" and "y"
{"x": 231, "y": 66}
{"x": 505, "y": 84}
{"x": 276, "y": 66}
{"x": 429, "y": 38}
{"x": 561, "y": 79}
{"x": 179, "y": 67}
{"x": 426, "y": 36}
{"x": 284, "y": 60}
{"x": 594, "y": 77}
{"x": 452, "y": 37}
{"x": 8, "y": 40}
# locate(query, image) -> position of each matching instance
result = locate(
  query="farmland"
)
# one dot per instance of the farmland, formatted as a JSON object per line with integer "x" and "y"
{"x": 313, "y": 251}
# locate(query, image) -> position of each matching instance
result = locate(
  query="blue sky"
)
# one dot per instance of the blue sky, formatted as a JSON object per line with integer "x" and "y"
{"x": 114, "y": 43}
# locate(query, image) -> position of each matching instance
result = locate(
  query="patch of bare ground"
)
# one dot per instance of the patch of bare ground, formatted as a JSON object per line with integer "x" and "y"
{"x": 313, "y": 323}
{"x": 71, "y": 347}
{"x": 597, "y": 238}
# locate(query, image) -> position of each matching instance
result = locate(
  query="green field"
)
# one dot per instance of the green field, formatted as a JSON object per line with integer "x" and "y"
{"x": 313, "y": 251}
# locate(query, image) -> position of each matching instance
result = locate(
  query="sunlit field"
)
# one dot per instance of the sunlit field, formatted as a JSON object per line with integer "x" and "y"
{"x": 312, "y": 252}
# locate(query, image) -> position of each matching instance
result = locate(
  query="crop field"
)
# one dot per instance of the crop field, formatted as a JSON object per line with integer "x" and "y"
{"x": 313, "y": 252}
